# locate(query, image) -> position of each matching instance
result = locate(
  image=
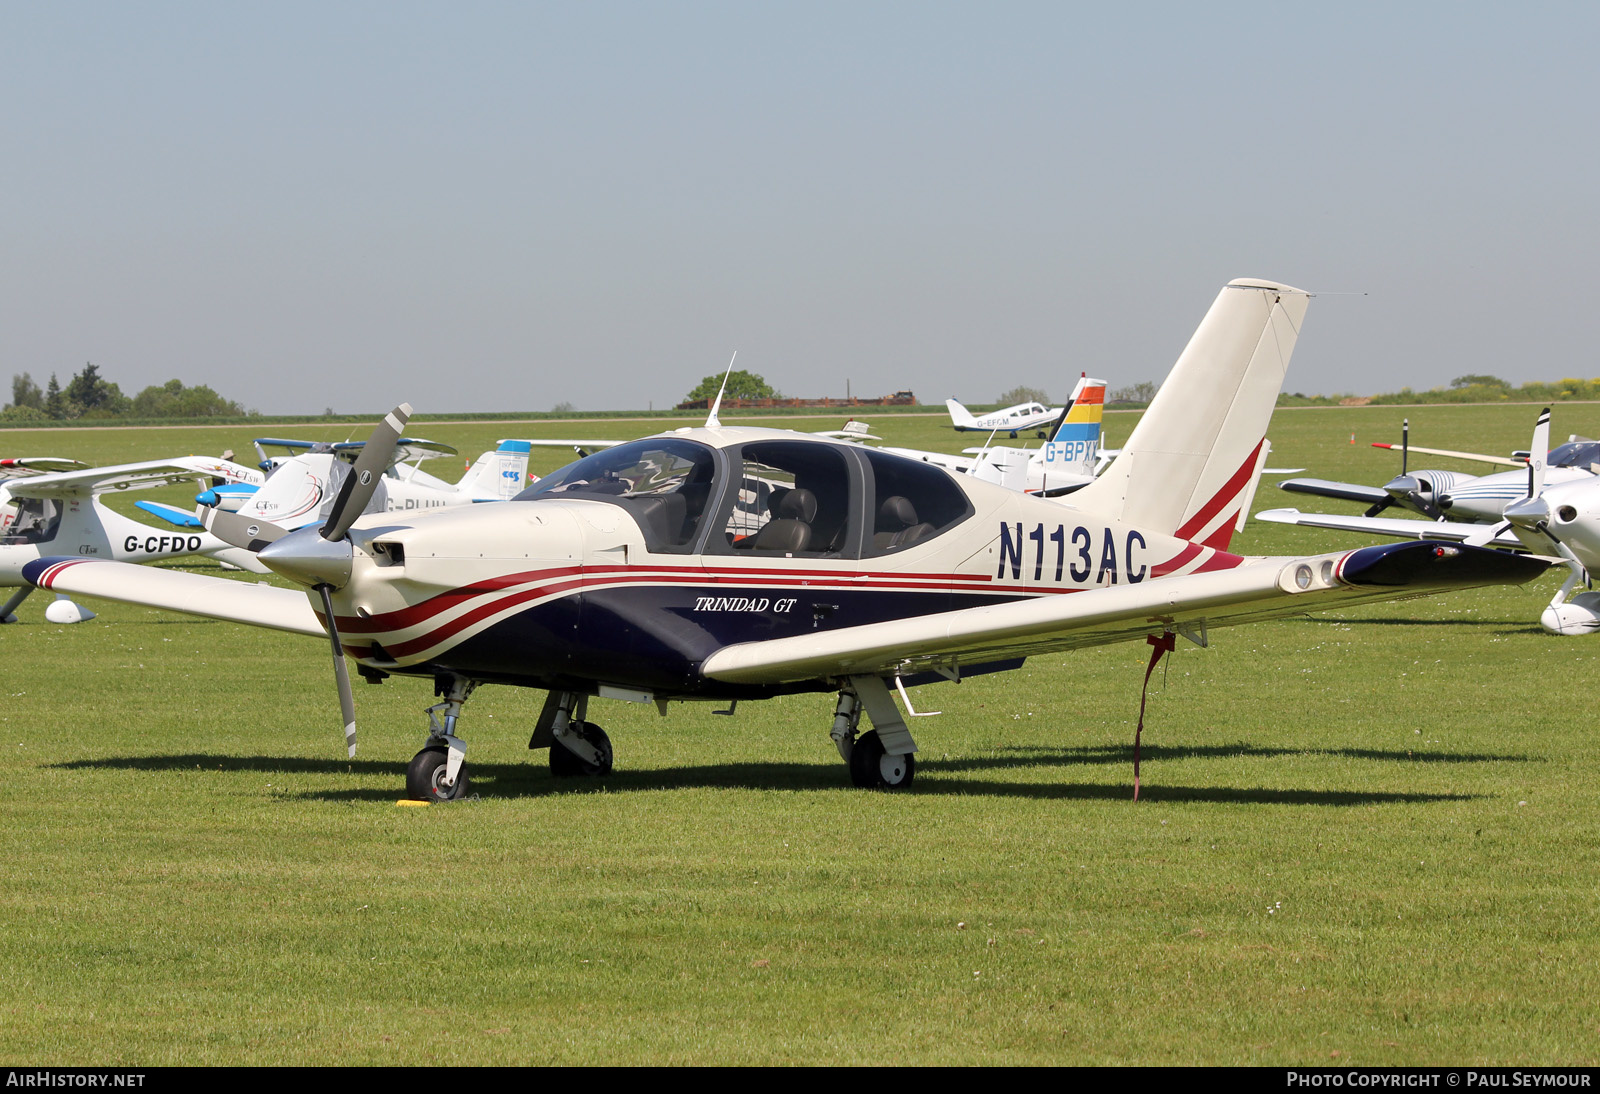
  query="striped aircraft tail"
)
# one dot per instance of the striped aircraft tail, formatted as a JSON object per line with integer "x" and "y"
{"x": 1074, "y": 446}
{"x": 1191, "y": 465}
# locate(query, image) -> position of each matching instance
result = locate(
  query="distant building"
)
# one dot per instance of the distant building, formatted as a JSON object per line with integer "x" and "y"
{"x": 899, "y": 398}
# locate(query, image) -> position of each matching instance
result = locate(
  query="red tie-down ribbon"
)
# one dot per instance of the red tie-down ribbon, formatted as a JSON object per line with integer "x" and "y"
{"x": 1163, "y": 643}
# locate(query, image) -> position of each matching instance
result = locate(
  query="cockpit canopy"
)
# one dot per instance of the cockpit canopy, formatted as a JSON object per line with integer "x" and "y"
{"x": 1574, "y": 454}
{"x": 793, "y": 498}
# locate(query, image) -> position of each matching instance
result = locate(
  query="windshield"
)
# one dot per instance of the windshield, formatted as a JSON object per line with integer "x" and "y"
{"x": 1575, "y": 454}
{"x": 663, "y": 482}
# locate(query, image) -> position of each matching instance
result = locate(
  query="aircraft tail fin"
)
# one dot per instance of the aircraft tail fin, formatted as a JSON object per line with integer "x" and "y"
{"x": 1192, "y": 462}
{"x": 1074, "y": 445}
{"x": 960, "y": 416}
{"x": 499, "y": 475}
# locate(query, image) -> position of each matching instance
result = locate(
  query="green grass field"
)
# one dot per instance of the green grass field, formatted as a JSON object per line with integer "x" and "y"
{"x": 1366, "y": 838}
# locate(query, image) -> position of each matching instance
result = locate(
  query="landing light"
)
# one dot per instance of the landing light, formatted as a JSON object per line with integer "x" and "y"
{"x": 1302, "y": 576}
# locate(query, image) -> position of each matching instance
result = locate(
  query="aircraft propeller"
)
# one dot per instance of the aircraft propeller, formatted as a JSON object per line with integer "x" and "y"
{"x": 321, "y": 558}
{"x": 1408, "y": 486}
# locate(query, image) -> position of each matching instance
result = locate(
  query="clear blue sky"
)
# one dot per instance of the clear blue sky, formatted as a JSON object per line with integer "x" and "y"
{"x": 480, "y": 206}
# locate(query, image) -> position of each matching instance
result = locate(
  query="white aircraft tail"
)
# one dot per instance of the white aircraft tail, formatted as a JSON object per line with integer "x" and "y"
{"x": 1191, "y": 464}
{"x": 499, "y": 475}
{"x": 960, "y": 416}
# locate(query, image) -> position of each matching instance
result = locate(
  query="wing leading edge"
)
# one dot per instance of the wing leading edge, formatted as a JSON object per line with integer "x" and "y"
{"x": 1267, "y": 589}
{"x": 174, "y": 590}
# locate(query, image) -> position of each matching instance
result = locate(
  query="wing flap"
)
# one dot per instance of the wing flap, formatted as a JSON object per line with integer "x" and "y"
{"x": 1262, "y": 590}
{"x": 174, "y": 590}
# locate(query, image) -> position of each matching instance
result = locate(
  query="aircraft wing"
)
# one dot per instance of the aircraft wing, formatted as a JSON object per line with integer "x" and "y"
{"x": 1345, "y": 491}
{"x": 1398, "y": 527}
{"x": 258, "y": 605}
{"x": 36, "y": 465}
{"x": 1480, "y": 458}
{"x": 547, "y": 442}
{"x": 406, "y": 449}
{"x": 1266, "y": 589}
{"x": 97, "y": 480}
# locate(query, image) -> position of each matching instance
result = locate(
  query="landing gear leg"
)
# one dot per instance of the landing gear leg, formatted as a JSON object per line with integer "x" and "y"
{"x": 577, "y": 746}
{"x": 846, "y": 716}
{"x": 8, "y": 613}
{"x": 439, "y": 771}
{"x": 883, "y": 757}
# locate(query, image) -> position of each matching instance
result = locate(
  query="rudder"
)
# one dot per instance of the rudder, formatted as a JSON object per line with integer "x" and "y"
{"x": 1193, "y": 459}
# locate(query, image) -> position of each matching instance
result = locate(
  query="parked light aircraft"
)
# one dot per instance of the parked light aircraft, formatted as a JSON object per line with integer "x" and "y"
{"x": 1560, "y": 519}
{"x": 1454, "y": 495}
{"x": 60, "y": 512}
{"x": 300, "y": 488}
{"x": 1068, "y": 460}
{"x": 1011, "y": 421}
{"x": 731, "y": 564}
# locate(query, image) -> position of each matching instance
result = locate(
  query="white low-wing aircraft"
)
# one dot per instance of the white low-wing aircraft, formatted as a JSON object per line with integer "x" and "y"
{"x": 1011, "y": 421}
{"x": 1453, "y": 495}
{"x": 731, "y": 564}
{"x": 56, "y": 513}
{"x": 1556, "y": 519}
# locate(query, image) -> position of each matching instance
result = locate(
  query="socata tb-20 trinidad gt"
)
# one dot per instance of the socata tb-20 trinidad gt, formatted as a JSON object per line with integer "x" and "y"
{"x": 734, "y": 564}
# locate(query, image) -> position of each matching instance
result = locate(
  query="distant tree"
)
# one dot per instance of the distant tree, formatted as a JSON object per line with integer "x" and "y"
{"x": 563, "y": 407}
{"x": 173, "y": 400}
{"x": 55, "y": 405}
{"x": 1142, "y": 392}
{"x": 1023, "y": 394}
{"x": 1475, "y": 380}
{"x": 24, "y": 392}
{"x": 15, "y": 413}
{"x": 88, "y": 395}
{"x": 741, "y": 385}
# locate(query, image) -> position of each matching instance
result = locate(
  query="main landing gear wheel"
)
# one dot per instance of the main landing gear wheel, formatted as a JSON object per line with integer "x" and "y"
{"x": 565, "y": 762}
{"x": 871, "y": 768}
{"x": 424, "y": 772}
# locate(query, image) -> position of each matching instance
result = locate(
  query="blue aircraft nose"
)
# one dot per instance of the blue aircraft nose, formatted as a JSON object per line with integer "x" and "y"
{"x": 207, "y": 497}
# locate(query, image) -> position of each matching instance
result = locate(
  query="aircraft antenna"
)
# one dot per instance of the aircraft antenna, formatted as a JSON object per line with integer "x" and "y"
{"x": 712, "y": 422}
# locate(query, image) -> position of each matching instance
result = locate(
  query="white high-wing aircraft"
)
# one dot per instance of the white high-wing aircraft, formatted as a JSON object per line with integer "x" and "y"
{"x": 1011, "y": 420}
{"x": 60, "y": 512}
{"x": 1453, "y": 495}
{"x": 729, "y": 564}
{"x": 300, "y": 489}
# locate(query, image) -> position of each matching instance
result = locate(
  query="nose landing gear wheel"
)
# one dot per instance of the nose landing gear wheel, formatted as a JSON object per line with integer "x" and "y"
{"x": 873, "y": 769}
{"x": 565, "y": 762}
{"x": 424, "y": 772}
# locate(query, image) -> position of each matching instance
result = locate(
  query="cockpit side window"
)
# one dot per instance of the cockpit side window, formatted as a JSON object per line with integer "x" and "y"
{"x": 36, "y": 522}
{"x": 662, "y": 482}
{"x": 792, "y": 499}
{"x": 912, "y": 502}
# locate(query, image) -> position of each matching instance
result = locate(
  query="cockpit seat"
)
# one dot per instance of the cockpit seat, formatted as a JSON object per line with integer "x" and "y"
{"x": 790, "y": 529}
{"x": 897, "y": 525}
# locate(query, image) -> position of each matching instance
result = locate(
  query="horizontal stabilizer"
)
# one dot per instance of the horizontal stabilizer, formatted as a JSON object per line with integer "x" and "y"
{"x": 258, "y": 605}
